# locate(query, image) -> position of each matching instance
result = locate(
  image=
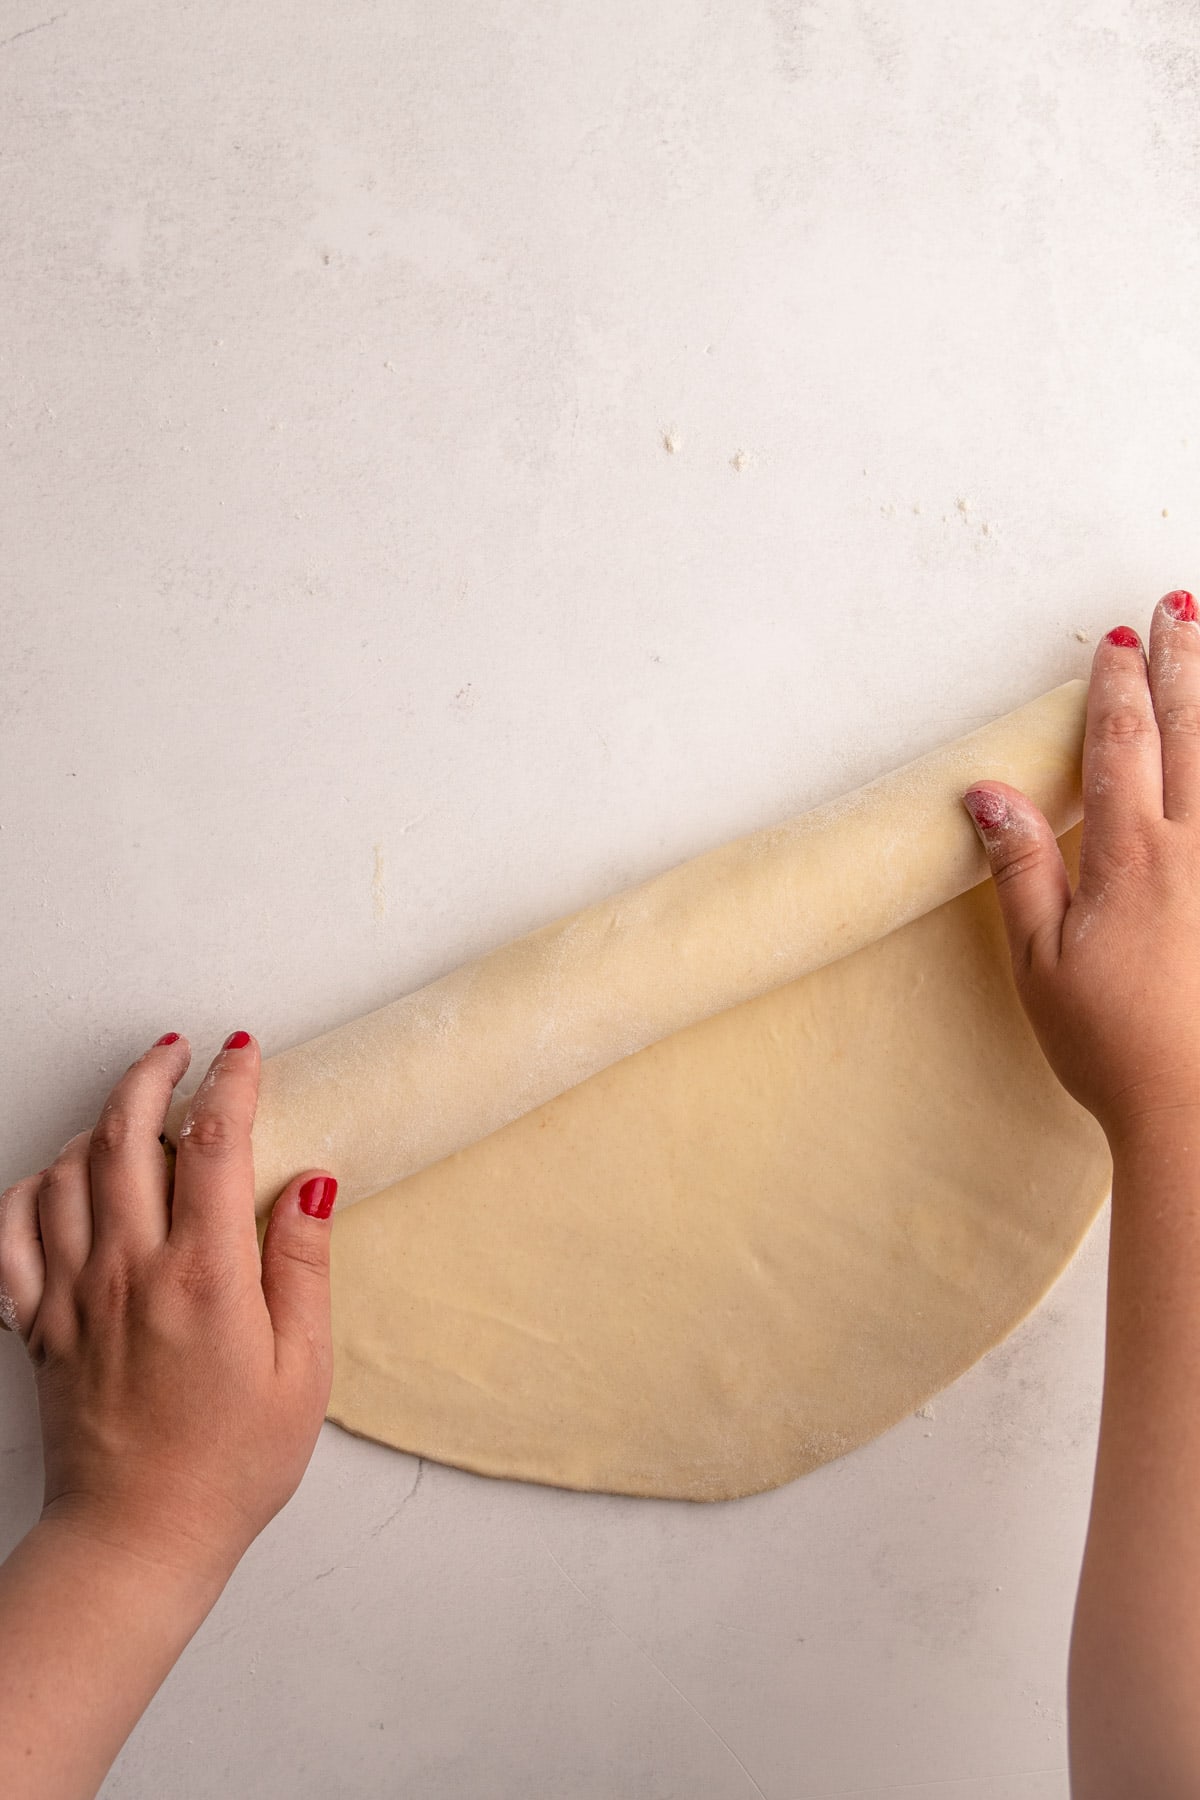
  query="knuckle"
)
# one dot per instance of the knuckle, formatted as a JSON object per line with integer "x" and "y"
{"x": 308, "y": 1253}
{"x": 56, "y": 1329}
{"x": 194, "y": 1274}
{"x": 1040, "y": 952}
{"x": 112, "y": 1132}
{"x": 1182, "y": 720}
{"x": 1122, "y": 725}
{"x": 1012, "y": 868}
{"x": 107, "y": 1288}
{"x": 209, "y": 1133}
{"x": 10, "y": 1195}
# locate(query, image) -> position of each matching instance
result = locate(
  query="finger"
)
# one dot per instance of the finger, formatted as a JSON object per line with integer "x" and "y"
{"x": 128, "y": 1168}
{"x": 22, "y": 1260}
{"x": 1122, "y": 755}
{"x": 295, "y": 1270}
{"x": 1175, "y": 692}
{"x": 1032, "y": 885}
{"x": 64, "y": 1217}
{"x": 214, "y": 1166}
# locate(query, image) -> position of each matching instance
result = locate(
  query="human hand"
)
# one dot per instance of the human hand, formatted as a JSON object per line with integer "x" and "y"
{"x": 181, "y": 1381}
{"x": 1110, "y": 976}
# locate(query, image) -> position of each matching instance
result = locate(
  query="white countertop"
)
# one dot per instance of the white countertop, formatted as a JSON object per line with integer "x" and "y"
{"x": 460, "y": 460}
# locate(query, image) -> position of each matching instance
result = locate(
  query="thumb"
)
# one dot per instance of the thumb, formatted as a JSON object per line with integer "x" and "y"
{"x": 1031, "y": 879}
{"x": 295, "y": 1263}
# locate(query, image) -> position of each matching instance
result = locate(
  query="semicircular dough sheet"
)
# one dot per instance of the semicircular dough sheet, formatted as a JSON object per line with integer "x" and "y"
{"x": 738, "y": 1253}
{"x": 717, "y": 1178}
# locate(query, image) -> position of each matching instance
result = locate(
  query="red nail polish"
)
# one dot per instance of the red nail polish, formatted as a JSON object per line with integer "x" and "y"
{"x": 237, "y": 1040}
{"x": 1180, "y": 606}
{"x": 171, "y": 1037}
{"x": 987, "y": 809}
{"x": 317, "y": 1196}
{"x": 1123, "y": 638}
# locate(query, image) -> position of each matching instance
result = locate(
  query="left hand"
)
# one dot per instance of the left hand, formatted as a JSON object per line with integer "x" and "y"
{"x": 181, "y": 1381}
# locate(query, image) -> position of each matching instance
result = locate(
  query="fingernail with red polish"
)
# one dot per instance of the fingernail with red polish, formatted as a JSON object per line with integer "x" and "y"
{"x": 987, "y": 809}
{"x": 170, "y": 1037}
{"x": 317, "y": 1196}
{"x": 237, "y": 1040}
{"x": 1123, "y": 638}
{"x": 1180, "y": 606}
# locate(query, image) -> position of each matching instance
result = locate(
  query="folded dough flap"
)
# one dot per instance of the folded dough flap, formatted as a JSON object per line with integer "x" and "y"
{"x": 387, "y": 1094}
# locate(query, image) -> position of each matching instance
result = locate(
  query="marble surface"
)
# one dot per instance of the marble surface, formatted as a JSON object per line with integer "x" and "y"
{"x": 459, "y": 460}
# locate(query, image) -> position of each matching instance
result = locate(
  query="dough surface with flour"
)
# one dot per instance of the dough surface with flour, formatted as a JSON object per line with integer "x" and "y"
{"x": 738, "y": 1253}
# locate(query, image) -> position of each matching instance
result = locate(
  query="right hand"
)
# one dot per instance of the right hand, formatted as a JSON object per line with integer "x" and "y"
{"x": 1110, "y": 975}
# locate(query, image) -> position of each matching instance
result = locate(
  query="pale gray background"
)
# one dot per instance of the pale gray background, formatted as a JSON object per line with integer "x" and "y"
{"x": 356, "y": 617}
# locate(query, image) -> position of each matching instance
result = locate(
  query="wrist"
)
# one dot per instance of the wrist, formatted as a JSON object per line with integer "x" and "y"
{"x": 153, "y": 1554}
{"x": 1168, "y": 1133}
{"x": 89, "y": 1617}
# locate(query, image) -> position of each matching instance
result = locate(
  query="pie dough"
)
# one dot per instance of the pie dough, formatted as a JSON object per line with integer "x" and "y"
{"x": 718, "y": 1179}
